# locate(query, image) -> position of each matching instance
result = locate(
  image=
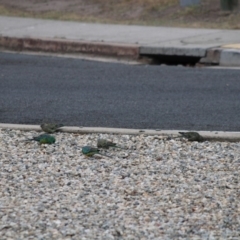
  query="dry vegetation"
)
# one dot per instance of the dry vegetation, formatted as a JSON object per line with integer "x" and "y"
{"x": 141, "y": 12}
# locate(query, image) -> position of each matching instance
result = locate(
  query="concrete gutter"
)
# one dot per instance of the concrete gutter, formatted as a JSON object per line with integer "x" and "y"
{"x": 208, "y": 135}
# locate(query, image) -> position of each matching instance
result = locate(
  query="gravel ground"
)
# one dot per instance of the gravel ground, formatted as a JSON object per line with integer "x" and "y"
{"x": 154, "y": 188}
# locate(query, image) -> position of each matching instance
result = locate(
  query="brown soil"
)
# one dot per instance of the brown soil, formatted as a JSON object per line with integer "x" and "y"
{"x": 143, "y": 12}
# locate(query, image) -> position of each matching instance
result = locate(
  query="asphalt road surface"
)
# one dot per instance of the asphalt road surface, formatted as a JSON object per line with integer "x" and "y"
{"x": 34, "y": 89}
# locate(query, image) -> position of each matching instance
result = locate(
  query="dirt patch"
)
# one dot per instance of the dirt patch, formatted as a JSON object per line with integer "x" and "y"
{"x": 142, "y": 12}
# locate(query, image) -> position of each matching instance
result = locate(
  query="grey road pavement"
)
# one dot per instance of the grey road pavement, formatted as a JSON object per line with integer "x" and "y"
{"x": 86, "y": 93}
{"x": 211, "y": 45}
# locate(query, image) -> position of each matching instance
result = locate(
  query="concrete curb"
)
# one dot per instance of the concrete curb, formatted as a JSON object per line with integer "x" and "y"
{"x": 125, "y": 51}
{"x": 230, "y": 57}
{"x": 173, "y": 51}
{"x": 209, "y": 135}
{"x": 222, "y": 57}
{"x": 212, "y": 56}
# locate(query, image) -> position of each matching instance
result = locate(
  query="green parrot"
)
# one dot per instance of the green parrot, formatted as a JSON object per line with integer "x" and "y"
{"x": 90, "y": 151}
{"x": 103, "y": 143}
{"x": 44, "y": 139}
{"x": 192, "y": 136}
{"x": 50, "y": 127}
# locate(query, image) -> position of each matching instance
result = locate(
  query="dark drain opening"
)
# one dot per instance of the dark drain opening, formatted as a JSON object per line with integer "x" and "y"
{"x": 172, "y": 60}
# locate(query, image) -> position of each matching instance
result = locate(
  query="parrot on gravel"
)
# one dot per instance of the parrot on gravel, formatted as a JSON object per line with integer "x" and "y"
{"x": 50, "y": 127}
{"x": 44, "y": 139}
{"x": 90, "y": 151}
{"x": 103, "y": 143}
{"x": 192, "y": 136}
